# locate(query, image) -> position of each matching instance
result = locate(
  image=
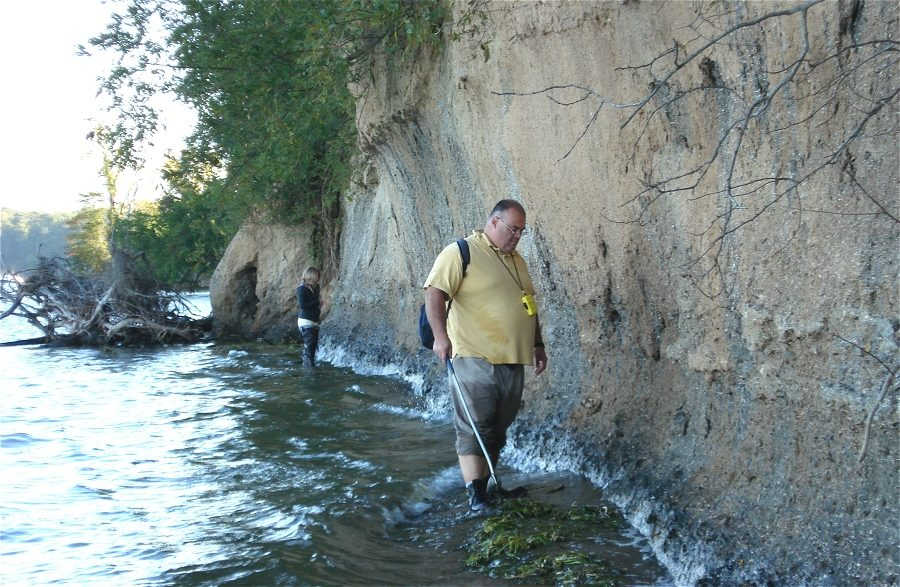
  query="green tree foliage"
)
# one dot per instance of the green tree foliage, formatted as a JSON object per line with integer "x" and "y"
{"x": 26, "y": 236}
{"x": 269, "y": 82}
{"x": 92, "y": 227}
{"x": 88, "y": 238}
{"x": 183, "y": 235}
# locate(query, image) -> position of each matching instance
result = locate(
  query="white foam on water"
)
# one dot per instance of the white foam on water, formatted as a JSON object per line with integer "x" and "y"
{"x": 340, "y": 356}
{"x": 411, "y": 413}
{"x": 424, "y": 492}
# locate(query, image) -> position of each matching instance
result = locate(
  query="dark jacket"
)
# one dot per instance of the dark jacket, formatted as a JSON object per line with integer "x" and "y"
{"x": 308, "y": 299}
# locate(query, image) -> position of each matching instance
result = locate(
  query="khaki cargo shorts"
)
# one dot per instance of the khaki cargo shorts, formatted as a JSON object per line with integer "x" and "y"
{"x": 493, "y": 394}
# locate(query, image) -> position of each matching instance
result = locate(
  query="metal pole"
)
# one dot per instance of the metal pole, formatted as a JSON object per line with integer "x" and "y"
{"x": 462, "y": 400}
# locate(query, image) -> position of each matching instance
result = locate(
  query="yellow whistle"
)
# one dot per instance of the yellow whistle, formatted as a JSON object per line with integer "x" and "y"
{"x": 530, "y": 306}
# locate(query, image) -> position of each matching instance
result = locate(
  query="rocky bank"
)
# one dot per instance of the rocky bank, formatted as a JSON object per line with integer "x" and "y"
{"x": 714, "y": 238}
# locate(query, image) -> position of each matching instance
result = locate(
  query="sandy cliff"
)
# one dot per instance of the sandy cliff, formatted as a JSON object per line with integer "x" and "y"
{"x": 718, "y": 278}
{"x": 253, "y": 289}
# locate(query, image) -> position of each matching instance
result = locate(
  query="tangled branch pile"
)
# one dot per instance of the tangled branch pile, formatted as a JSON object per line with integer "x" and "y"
{"x": 119, "y": 308}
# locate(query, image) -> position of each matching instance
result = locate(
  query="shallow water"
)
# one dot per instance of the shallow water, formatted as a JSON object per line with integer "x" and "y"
{"x": 209, "y": 464}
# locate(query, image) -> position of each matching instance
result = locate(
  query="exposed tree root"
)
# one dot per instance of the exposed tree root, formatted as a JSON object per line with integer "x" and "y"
{"x": 122, "y": 308}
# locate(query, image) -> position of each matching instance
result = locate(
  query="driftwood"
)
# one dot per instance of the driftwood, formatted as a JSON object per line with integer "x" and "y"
{"x": 26, "y": 341}
{"x": 121, "y": 307}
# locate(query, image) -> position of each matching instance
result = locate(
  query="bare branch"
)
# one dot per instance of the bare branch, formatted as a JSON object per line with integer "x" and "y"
{"x": 884, "y": 389}
{"x": 850, "y": 89}
{"x": 885, "y": 386}
{"x": 804, "y": 7}
{"x": 70, "y": 308}
{"x": 15, "y": 305}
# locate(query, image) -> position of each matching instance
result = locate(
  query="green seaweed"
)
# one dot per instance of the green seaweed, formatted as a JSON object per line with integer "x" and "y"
{"x": 530, "y": 540}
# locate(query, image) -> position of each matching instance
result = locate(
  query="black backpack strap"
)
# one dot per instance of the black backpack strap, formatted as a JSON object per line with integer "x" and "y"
{"x": 463, "y": 245}
{"x": 425, "y": 333}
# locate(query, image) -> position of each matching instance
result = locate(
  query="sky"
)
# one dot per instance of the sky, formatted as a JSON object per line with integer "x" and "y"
{"x": 49, "y": 104}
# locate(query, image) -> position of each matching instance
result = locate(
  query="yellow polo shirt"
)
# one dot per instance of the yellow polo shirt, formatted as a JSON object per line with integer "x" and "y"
{"x": 487, "y": 318}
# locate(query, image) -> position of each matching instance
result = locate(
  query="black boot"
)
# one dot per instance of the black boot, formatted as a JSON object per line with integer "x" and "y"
{"x": 478, "y": 499}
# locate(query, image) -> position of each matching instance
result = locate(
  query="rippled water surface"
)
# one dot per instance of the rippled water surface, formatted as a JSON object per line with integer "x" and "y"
{"x": 211, "y": 464}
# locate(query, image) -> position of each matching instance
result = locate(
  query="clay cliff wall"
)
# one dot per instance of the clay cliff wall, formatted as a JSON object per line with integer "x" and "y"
{"x": 253, "y": 288}
{"x": 715, "y": 253}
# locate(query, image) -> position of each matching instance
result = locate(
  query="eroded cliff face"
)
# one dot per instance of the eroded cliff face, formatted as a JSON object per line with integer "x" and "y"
{"x": 253, "y": 289}
{"x": 712, "y": 350}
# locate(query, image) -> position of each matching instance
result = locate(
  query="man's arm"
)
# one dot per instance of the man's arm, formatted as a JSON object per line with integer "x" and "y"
{"x": 540, "y": 355}
{"x": 436, "y": 311}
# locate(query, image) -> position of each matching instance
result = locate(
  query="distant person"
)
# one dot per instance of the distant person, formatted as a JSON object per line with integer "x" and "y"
{"x": 490, "y": 333}
{"x": 309, "y": 314}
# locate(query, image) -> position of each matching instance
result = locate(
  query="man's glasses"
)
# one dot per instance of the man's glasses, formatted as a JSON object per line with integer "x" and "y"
{"x": 513, "y": 231}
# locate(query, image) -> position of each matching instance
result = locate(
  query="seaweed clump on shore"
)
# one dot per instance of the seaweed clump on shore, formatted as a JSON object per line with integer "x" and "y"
{"x": 531, "y": 541}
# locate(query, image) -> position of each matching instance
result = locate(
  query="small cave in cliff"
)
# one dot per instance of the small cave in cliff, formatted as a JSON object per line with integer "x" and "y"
{"x": 245, "y": 300}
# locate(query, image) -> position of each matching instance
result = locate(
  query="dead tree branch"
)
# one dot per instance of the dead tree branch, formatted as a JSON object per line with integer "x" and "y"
{"x": 587, "y": 93}
{"x": 123, "y": 308}
{"x": 885, "y": 387}
{"x": 852, "y": 89}
{"x": 679, "y": 65}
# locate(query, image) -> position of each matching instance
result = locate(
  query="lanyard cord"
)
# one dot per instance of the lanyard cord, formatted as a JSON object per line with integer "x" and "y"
{"x": 515, "y": 278}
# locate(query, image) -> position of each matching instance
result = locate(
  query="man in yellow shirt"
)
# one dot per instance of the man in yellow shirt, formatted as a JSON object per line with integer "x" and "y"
{"x": 491, "y": 332}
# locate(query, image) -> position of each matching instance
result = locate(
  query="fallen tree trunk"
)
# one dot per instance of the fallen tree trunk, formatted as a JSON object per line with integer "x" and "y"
{"x": 26, "y": 341}
{"x": 124, "y": 308}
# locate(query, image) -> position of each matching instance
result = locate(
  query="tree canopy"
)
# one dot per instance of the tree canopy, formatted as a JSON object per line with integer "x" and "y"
{"x": 269, "y": 82}
{"x": 275, "y": 129}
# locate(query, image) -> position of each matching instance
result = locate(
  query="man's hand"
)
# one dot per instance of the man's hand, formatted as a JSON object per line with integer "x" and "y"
{"x": 442, "y": 348}
{"x": 540, "y": 360}
{"x": 436, "y": 311}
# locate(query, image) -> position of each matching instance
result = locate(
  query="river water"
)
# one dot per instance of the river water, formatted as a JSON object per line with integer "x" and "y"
{"x": 212, "y": 464}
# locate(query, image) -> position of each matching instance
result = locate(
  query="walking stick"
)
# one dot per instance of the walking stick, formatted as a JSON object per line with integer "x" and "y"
{"x": 462, "y": 400}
